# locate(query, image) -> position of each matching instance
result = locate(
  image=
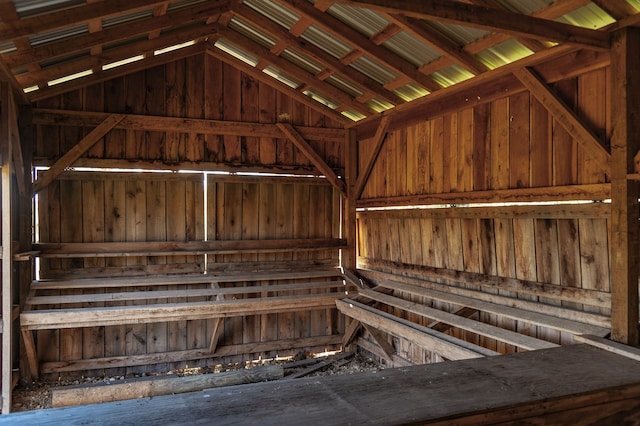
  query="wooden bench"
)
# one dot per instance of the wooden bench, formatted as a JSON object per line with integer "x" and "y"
{"x": 153, "y": 299}
{"x": 373, "y": 306}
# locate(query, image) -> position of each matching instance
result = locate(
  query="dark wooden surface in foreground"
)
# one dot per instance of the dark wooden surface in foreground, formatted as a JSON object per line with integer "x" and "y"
{"x": 561, "y": 385}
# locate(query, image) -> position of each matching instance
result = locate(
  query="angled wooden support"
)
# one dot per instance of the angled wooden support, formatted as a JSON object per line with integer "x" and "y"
{"x": 32, "y": 355}
{"x": 295, "y": 137}
{"x": 382, "y": 341}
{"x": 218, "y": 324}
{"x": 565, "y": 117}
{"x": 76, "y": 152}
{"x": 378, "y": 140}
{"x": 350, "y": 332}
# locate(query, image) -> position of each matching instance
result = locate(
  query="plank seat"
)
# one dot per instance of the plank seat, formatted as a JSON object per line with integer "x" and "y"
{"x": 63, "y": 304}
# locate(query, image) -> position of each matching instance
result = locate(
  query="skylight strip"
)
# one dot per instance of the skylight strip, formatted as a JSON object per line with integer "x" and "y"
{"x": 116, "y": 64}
{"x": 174, "y": 47}
{"x": 70, "y": 77}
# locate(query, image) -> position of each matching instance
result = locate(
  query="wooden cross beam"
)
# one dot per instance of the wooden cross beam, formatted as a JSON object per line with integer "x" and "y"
{"x": 378, "y": 140}
{"x": 76, "y": 152}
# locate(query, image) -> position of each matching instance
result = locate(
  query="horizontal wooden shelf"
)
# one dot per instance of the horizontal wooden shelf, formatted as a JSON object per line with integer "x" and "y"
{"x": 181, "y": 248}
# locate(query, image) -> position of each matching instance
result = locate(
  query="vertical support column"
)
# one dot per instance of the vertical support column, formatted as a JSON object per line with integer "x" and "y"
{"x": 625, "y": 142}
{"x": 7, "y": 275}
{"x": 349, "y": 219}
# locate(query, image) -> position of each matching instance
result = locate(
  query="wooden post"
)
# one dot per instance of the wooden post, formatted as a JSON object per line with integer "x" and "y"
{"x": 625, "y": 142}
{"x": 7, "y": 276}
{"x": 349, "y": 219}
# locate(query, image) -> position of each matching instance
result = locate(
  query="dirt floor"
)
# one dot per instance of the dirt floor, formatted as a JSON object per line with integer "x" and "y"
{"x": 37, "y": 395}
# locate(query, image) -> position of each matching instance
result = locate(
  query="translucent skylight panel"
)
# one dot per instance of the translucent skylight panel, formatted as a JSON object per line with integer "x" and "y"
{"x": 344, "y": 85}
{"x": 589, "y": 16}
{"x": 274, "y": 72}
{"x": 503, "y": 54}
{"x": 410, "y": 92}
{"x": 379, "y": 105}
{"x": 236, "y": 52}
{"x": 451, "y": 75}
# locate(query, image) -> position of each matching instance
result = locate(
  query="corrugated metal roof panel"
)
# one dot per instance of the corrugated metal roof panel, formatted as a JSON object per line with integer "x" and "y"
{"x": 379, "y": 105}
{"x": 411, "y": 49}
{"x": 126, "y": 18}
{"x": 183, "y": 3}
{"x": 373, "y": 69}
{"x": 26, "y": 8}
{"x": 364, "y": 21}
{"x": 635, "y": 4}
{"x": 59, "y": 34}
{"x": 589, "y": 16}
{"x": 451, "y": 75}
{"x": 458, "y": 34}
{"x": 319, "y": 97}
{"x": 344, "y": 85}
{"x": 301, "y": 61}
{"x": 353, "y": 115}
{"x": 410, "y": 91}
{"x": 274, "y": 11}
{"x": 526, "y": 7}
{"x": 236, "y": 52}
{"x": 7, "y": 46}
{"x": 281, "y": 77}
{"x": 503, "y": 54}
{"x": 325, "y": 41}
{"x": 248, "y": 30}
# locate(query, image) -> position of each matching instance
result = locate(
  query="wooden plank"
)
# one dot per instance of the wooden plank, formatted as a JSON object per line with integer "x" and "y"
{"x": 193, "y": 354}
{"x": 573, "y": 315}
{"x": 565, "y": 117}
{"x": 509, "y": 337}
{"x": 627, "y": 351}
{"x": 449, "y": 347}
{"x": 87, "y": 317}
{"x": 7, "y": 265}
{"x": 625, "y": 256}
{"x": 165, "y": 248}
{"x": 76, "y": 152}
{"x": 159, "y": 385}
{"x": 592, "y": 192}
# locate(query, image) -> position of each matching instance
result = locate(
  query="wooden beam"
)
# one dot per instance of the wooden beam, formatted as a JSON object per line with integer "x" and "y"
{"x": 332, "y": 64}
{"x": 490, "y": 19}
{"x": 617, "y": 9}
{"x": 344, "y": 32}
{"x": 378, "y": 142}
{"x": 350, "y": 332}
{"x": 148, "y": 387}
{"x": 349, "y": 224}
{"x": 440, "y": 343}
{"x": 188, "y": 355}
{"x": 594, "y": 192}
{"x": 559, "y": 211}
{"x": 77, "y": 151}
{"x": 382, "y": 341}
{"x": 57, "y": 117}
{"x": 464, "y": 312}
{"x": 313, "y": 156}
{"x": 625, "y": 143}
{"x": 168, "y": 248}
{"x": 7, "y": 241}
{"x": 279, "y": 86}
{"x": 218, "y": 324}
{"x": 565, "y": 117}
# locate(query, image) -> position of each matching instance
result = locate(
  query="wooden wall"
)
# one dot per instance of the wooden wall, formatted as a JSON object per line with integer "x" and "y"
{"x": 195, "y": 87}
{"x": 133, "y": 206}
{"x": 510, "y": 143}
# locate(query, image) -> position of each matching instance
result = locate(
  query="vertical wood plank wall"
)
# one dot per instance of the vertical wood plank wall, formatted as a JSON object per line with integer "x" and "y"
{"x": 95, "y": 206}
{"x": 509, "y": 143}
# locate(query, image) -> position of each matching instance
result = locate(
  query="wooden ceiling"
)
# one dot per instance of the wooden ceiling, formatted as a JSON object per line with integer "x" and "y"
{"x": 351, "y": 59}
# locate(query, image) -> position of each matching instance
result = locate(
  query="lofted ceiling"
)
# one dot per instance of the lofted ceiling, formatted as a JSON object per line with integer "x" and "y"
{"x": 351, "y": 59}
